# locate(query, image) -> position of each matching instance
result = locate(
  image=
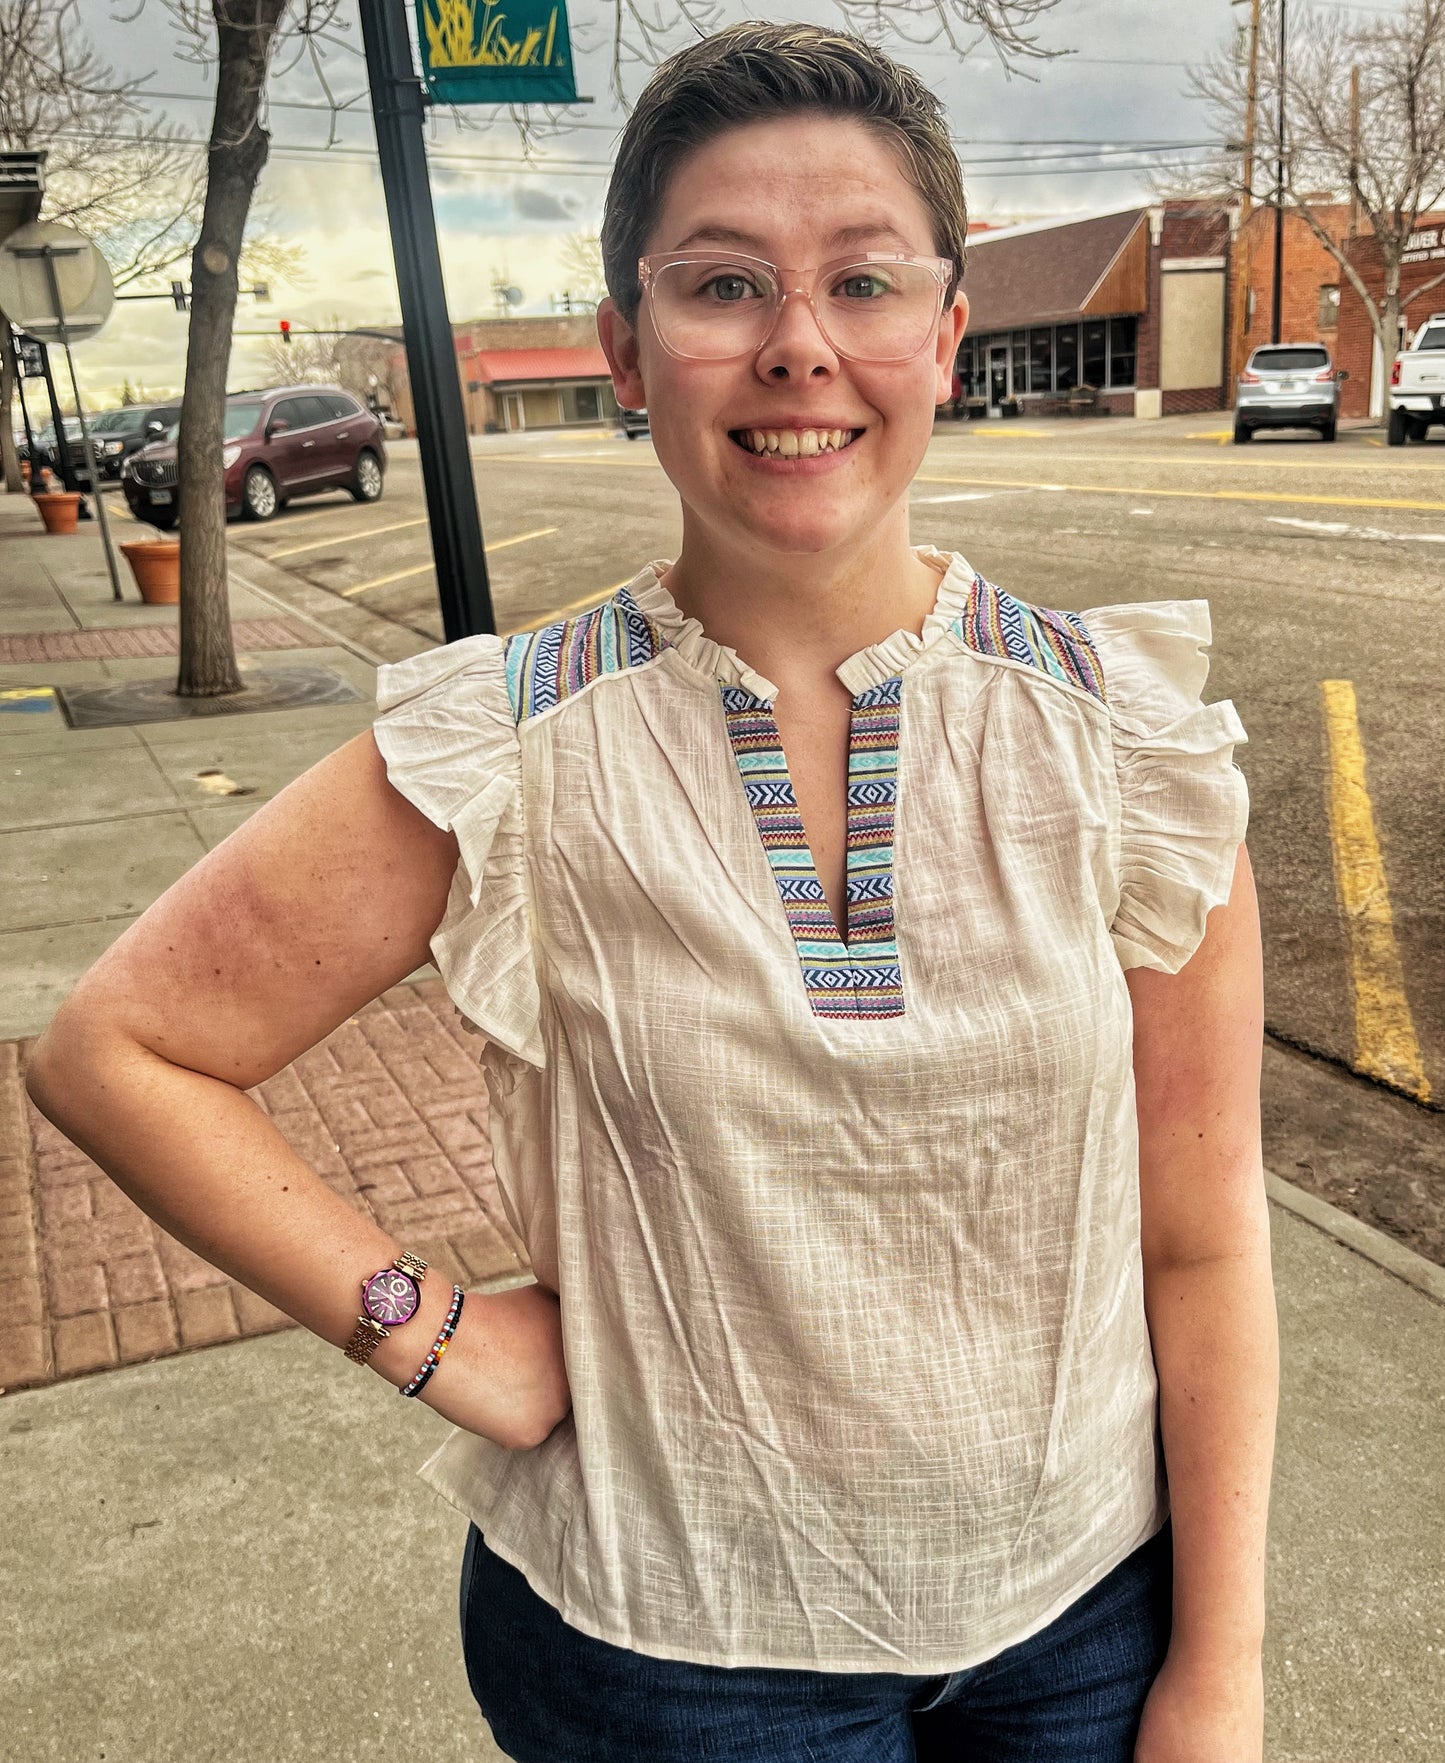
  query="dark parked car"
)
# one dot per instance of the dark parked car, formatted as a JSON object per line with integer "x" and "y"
{"x": 634, "y": 423}
{"x": 116, "y": 434}
{"x": 284, "y": 442}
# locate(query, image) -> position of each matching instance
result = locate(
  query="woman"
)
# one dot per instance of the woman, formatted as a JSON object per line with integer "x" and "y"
{"x": 869, "y": 973}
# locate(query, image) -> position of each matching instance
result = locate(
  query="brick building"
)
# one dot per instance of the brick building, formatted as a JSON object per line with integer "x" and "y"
{"x": 1133, "y": 304}
{"x": 1422, "y": 274}
{"x": 523, "y": 373}
{"x": 1309, "y": 285}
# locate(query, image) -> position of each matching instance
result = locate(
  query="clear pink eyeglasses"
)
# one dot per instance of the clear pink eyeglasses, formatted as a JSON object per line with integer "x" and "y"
{"x": 715, "y": 306}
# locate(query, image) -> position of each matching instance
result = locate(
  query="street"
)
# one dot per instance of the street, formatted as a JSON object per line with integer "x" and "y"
{"x": 1325, "y": 570}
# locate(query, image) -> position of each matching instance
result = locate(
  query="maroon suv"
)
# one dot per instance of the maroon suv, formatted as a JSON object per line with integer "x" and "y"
{"x": 294, "y": 441}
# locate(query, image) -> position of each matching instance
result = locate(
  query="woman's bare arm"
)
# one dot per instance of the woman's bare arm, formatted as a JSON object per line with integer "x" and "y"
{"x": 1210, "y": 1302}
{"x": 326, "y": 896}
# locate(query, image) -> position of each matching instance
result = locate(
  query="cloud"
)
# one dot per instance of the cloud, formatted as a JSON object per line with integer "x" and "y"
{"x": 534, "y": 204}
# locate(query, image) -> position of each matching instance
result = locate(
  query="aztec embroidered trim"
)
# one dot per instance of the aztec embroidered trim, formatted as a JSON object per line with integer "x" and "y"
{"x": 546, "y": 666}
{"x": 860, "y": 978}
{"x": 1056, "y": 643}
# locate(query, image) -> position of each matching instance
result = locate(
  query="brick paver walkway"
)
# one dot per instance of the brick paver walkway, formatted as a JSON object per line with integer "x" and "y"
{"x": 145, "y": 639}
{"x": 390, "y": 1109}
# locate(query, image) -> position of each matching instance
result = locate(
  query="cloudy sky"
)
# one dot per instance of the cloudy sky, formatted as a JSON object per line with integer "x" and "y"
{"x": 1069, "y": 134}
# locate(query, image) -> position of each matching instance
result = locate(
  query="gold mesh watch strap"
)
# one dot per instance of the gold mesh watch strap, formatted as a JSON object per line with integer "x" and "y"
{"x": 367, "y": 1338}
{"x": 406, "y": 1262}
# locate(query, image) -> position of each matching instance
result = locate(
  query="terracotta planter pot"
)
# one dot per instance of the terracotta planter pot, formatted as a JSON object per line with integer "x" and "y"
{"x": 156, "y": 566}
{"x": 59, "y": 509}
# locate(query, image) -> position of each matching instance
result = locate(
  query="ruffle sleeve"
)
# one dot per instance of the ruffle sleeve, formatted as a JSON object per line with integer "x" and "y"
{"x": 1184, "y": 804}
{"x": 449, "y": 739}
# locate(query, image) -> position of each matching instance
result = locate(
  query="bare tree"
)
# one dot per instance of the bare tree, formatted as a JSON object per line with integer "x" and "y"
{"x": 1384, "y": 151}
{"x": 127, "y": 179}
{"x": 361, "y": 362}
{"x": 581, "y": 255}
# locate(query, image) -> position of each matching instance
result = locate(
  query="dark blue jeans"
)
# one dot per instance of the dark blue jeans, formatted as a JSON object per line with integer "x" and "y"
{"x": 1073, "y": 1693}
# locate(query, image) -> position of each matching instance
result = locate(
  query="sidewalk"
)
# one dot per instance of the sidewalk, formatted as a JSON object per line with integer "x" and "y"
{"x": 200, "y": 1540}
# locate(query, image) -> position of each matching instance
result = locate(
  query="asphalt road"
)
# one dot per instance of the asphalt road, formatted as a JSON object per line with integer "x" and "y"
{"x": 1325, "y": 570}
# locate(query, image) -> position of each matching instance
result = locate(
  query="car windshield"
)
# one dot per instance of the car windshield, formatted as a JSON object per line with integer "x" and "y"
{"x": 1289, "y": 360}
{"x": 240, "y": 420}
{"x": 117, "y": 422}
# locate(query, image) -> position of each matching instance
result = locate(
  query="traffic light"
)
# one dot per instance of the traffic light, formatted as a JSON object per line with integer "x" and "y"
{"x": 286, "y": 331}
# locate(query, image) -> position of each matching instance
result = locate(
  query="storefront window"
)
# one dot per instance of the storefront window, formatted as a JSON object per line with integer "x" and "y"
{"x": 1329, "y": 306}
{"x": 1020, "y": 362}
{"x": 1041, "y": 361}
{"x": 1123, "y": 341}
{"x": 1094, "y": 366}
{"x": 1066, "y": 357}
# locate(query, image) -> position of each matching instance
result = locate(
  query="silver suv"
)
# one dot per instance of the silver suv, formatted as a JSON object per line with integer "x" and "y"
{"x": 1287, "y": 386}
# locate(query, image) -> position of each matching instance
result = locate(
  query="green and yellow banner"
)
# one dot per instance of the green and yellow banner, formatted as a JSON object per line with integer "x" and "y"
{"x": 496, "y": 51}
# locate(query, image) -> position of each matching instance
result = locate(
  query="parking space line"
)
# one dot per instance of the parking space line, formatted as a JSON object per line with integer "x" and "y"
{"x": 595, "y": 598}
{"x": 1385, "y": 1044}
{"x": 371, "y": 532}
{"x": 1192, "y": 495}
{"x": 401, "y": 575}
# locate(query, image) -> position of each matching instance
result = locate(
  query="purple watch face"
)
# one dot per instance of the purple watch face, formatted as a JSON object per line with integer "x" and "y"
{"x": 390, "y": 1297}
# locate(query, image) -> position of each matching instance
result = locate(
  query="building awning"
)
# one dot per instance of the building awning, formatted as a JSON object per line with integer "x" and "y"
{"x": 1049, "y": 275}
{"x": 523, "y": 366}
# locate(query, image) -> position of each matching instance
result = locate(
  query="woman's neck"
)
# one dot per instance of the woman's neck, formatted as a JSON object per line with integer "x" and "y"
{"x": 794, "y": 614}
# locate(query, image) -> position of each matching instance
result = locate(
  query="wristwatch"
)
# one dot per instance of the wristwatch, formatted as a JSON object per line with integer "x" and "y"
{"x": 389, "y": 1298}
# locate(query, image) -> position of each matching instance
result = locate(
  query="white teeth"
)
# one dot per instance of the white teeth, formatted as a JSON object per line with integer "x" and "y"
{"x": 808, "y": 443}
{"x": 788, "y": 443}
{"x": 836, "y": 436}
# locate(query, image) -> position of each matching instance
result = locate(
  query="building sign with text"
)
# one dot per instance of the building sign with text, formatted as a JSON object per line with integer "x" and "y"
{"x": 496, "y": 51}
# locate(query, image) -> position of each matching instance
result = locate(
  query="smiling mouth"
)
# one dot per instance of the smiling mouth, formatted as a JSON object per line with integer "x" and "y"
{"x": 794, "y": 443}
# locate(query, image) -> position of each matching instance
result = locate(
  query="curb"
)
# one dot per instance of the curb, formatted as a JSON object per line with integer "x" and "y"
{"x": 1363, "y": 1238}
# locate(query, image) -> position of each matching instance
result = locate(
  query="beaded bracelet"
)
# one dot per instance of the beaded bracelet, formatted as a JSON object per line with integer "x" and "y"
{"x": 439, "y": 1346}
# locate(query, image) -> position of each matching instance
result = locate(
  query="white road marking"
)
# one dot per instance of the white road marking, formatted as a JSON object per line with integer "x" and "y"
{"x": 1141, "y": 511}
{"x": 962, "y": 496}
{"x": 1337, "y": 529}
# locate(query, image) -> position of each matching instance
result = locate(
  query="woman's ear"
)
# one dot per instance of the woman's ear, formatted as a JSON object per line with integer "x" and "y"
{"x": 619, "y": 345}
{"x": 951, "y": 327}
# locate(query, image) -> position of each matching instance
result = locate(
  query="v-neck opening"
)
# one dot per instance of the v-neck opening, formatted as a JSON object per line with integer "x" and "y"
{"x": 852, "y": 970}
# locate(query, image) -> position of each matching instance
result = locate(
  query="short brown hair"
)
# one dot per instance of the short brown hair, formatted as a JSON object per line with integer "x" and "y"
{"x": 753, "y": 72}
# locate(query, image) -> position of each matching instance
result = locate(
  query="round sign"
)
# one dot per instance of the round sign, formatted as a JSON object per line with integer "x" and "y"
{"x": 81, "y": 276}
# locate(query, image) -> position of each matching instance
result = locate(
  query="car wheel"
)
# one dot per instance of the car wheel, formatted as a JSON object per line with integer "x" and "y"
{"x": 259, "y": 500}
{"x": 1417, "y": 430}
{"x": 162, "y": 519}
{"x": 366, "y": 485}
{"x": 1241, "y": 433}
{"x": 1395, "y": 433}
{"x": 1327, "y": 431}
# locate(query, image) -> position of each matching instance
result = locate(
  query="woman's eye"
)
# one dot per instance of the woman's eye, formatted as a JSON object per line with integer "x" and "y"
{"x": 863, "y": 287}
{"x": 727, "y": 287}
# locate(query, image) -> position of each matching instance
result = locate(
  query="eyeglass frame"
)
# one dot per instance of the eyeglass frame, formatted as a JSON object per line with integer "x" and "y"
{"x": 940, "y": 268}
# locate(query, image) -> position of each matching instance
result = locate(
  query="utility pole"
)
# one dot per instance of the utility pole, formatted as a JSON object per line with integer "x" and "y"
{"x": 1279, "y": 181}
{"x": 1354, "y": 151}
{"x": 441, "y": 429}
{"x": 1251, "y": 102}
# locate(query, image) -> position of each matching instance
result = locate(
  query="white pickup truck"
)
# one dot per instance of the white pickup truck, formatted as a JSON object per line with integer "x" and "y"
{"x": 1417, "y": 384}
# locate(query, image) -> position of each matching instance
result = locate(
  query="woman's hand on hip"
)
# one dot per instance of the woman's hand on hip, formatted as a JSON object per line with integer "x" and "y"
{"x": 1203, "y": 1711}
{"x": 503, "y": 1375}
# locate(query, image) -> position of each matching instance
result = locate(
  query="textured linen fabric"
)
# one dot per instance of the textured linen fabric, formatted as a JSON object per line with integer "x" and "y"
{"x": 852, "y": 1306}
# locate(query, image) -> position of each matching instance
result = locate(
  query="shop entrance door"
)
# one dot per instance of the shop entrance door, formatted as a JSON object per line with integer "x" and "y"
{"x": 998, "y": 365}
{"x": 515, "y": 412}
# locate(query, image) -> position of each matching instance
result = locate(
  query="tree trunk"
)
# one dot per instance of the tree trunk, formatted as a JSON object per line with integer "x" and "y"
{"x": 238, "y": 148}
{"x": 9, "y": 454}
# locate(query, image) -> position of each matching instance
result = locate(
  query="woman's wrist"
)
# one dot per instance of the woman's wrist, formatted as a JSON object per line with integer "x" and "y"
{"x": 399, "y": 1357}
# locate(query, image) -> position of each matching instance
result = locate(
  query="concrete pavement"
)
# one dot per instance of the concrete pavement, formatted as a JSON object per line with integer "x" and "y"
{"x": 191, "y": 1539}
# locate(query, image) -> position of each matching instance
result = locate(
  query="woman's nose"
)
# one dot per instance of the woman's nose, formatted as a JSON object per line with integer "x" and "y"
{"x": 795, "y": 348}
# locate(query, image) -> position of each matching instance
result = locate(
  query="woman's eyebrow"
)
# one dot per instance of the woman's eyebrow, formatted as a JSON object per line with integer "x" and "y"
{"x": 849, "y": 235}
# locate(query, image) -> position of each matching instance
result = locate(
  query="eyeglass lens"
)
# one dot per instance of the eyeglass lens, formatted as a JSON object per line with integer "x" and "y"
{"x": 713, "y": 309}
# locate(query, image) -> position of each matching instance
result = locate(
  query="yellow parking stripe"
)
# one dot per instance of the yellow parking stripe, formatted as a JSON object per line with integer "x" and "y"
{"x": 595, "y": 598}
{"x": 401, "y": 575}
{"x": 1385, "y": 1043}
{"x": 1192, "y": 495}
{"x": 371, "y": 532}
